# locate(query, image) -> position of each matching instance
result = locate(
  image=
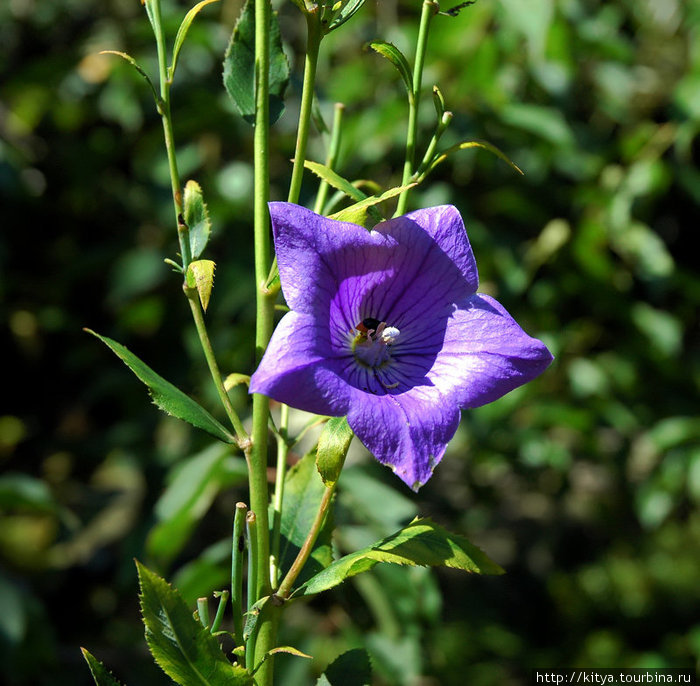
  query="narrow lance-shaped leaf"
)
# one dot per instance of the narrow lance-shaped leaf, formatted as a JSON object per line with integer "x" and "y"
{"x": 101, "y": 675}
{"x": 348, "y": 9}
{"x": 197, "y": 218}
{"x": 465, "y": 145}
{"x": 184, "y": 28}
{"x": 166, "y": 396}
{"x": 239, "y": 66}
{"x": 395, "y": 56}
{"x": 333, "y": 446}
{"x": 128, "y": 58}
{"x": 334, "y": 179}
{"x": 422, "y": 543}
{"x": 183, "y": 649}
{"x": 357, "y": 213}
{"x": 200, "y": 275}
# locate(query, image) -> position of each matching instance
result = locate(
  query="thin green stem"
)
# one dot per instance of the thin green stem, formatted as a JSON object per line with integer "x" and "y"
{"x": 332, "y": 157}
{"x": 237, "y": 556}
{"x": 198, "y": 316}
{"x": 286, "y": 586}
{"x": 218, "y": 618}
{"x": 430, "y": 8}
{"x": 313, "y": 43}
{"x": 164, "y": 110}
{"x": 252, "y": 528}
{"x": 282, "y": 452}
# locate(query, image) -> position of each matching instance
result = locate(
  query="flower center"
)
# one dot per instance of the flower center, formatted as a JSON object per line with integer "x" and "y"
{"x": 372, "y": 345}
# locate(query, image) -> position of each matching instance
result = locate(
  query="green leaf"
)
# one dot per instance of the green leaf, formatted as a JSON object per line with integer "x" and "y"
{"x": 166, "y": 396}
{"x": 357, "y": 213}
{"x": 135, "y": 65}
{"x": 184, "y": 28}
{"x": 239, "y": 66}
{"x": 422, "y": 542}
{"x": 252, "y": 617}
{"x": 348, "y": 9}
{"x": 303, "y": 490}
{"x": 101, "y": 675}
{"x": 395, "y": 56}
{"x": 281, "y": 649}
{"x": 196, "y": 216}
{"x": 334, "y": 179}
{"x": 333, "y": 446}
{"x": 188, "y": 497}
{"x": 465, "y": 145}
{"x": 200, "y": 275}
{"x": 352, "y": 668}
{"x": 183, "y": 649}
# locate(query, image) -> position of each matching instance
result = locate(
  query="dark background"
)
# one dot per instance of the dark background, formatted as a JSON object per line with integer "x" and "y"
{"x": 584, "y": 485}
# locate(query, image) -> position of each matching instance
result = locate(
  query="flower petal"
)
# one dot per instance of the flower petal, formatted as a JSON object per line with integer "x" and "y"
{"x": 407, "y": 432}
{"x": 299, "y": 369}
{"x": 485, "y": 354}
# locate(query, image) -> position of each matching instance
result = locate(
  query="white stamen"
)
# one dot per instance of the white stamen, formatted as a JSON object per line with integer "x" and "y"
{"x": 389, "y": 335}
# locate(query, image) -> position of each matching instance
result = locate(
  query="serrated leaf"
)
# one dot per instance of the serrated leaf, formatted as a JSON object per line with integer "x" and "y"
{"x": 200, "y": 275}
{"x": 395, "y": 56}
{"x": 239, "y": 66}
{"x": 352, "y": 668}
{"x": 422, "y": 543}
{"x": 303, "y": 491}
{"x": 101, "y": 675}
{"x": 334, "y": 179}
{"x": 183, "y": 649}
{"x": 465, "y": 145}
{"x": 125, "y": 56}
{"x": 166, "y": 396}
{"x": 196, "y": 217}
{"x": 357, "y": 213}
{"x": 281, "y": 649}
{"x": 184, "y": 28}
{"x": 333, "y": 445}
{"x": 350, "y": 7}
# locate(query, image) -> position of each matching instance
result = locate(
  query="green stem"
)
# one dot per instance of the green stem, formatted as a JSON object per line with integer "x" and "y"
{"x": 198, "y": 316}
{"x": 313, "y": 43}
{"x": 237, "y": 555}
{"x": 164, "y": 110}
{"x": 430, "y": 8}
{"x": 282, "y": 452}
{"x": 252, "y": 528}
{"x": 332, "y": 157}
{"x": 286, "y": 586}
{"x": 218, "y": 618}
{"x": 257, "y": 453}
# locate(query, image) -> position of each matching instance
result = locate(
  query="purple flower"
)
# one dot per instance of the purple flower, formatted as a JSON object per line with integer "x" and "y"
{"x": 387, "y": 328}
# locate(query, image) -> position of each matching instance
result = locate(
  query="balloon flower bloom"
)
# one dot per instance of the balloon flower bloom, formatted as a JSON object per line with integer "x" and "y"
{"x": 385, "y": 326}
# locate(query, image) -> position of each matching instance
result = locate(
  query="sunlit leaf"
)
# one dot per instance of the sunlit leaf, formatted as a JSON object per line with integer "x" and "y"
{"x": 184, "y": 28}
{"x": 136, "y": 66}
{"x": 466, "y": 145}
{"x": 348, "y": 9}
{"x": 422, "y": 543}
{"x": 200, "y": 275}
{"x": 197, "y": 218}
{"x": 357, "y": 213}
{"x": 333, "y": 445}
{"x": 166, "y": 396}
{"x": 395, "y": 56}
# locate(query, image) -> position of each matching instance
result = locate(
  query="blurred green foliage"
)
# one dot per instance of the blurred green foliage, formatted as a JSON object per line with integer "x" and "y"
{"x": 584, "y": 485}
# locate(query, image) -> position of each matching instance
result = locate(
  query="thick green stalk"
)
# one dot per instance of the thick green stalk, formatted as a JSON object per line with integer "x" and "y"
{"x": 238, "y": 552}
{"x": 430, "y": 8}
{"x": 257, "y": 455}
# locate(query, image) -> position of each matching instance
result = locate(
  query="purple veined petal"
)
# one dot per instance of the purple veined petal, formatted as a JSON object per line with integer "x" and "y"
{"x": 485, "y": 354}
{"x": 300, "y": 369}
{"x": 407, "y": 432}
